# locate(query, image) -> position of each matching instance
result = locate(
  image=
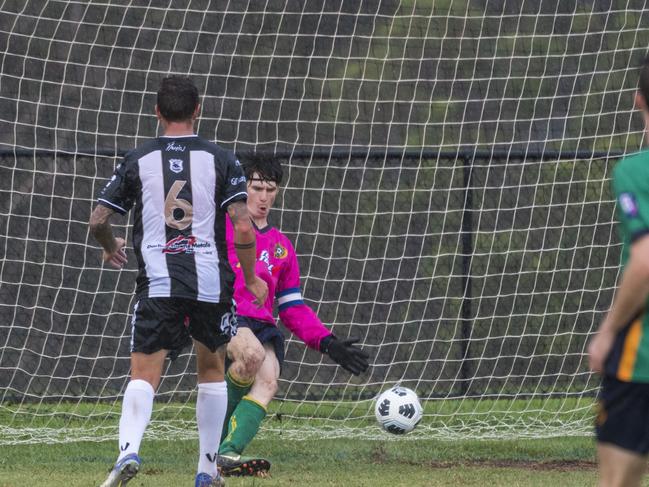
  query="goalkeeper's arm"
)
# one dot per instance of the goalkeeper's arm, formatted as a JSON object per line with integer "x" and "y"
{"x": 345, "y": 354}
{"x": 303, "y": 321}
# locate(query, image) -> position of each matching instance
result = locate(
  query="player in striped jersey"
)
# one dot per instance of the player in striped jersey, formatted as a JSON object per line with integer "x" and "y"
{"x": 620, "y": 349}
{"x": 257, "y": 352}
{"x": 181, "y": 187}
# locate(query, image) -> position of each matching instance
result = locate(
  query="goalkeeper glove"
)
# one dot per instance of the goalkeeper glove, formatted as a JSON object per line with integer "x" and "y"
{"x": 345, "y": 354}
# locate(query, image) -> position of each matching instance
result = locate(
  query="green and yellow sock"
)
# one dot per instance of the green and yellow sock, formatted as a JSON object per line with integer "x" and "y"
{"x": 243, "y": 426}
{"x": 237, "y": 388}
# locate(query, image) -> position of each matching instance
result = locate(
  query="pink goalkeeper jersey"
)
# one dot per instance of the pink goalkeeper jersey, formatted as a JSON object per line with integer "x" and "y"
{"x": 277, "y": 265}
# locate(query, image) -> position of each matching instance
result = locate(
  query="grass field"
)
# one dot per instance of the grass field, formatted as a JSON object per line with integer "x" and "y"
{"x": 443, "y": 419}
{"x": 419, "y": 459}
{"x": 557, "y": 461}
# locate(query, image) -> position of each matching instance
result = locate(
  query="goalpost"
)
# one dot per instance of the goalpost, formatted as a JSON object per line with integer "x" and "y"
{"x": 447, "y": 193}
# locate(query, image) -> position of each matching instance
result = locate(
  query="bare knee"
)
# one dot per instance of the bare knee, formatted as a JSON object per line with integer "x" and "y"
{"x": 148, "y": 367}
{"x": 248, "y": 360}
{"x": 619, "y": 467}
{"x": 210, "y": 365}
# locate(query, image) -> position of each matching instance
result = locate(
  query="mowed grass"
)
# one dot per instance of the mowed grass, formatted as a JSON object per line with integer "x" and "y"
{"x": 330, "y": 462}
{"x": 443, "y": 419}
{"x": 435, "y": 454}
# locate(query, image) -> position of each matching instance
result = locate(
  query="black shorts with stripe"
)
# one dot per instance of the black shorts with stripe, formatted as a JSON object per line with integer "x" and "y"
{"x": 171, "y": 323}
{"x": 623, "y": 415}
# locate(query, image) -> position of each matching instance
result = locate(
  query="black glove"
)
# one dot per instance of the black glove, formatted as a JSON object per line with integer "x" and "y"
{"x": 345, "y": 354}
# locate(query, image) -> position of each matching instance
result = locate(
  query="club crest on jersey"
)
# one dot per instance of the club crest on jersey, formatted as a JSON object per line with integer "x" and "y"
{"x": 182, "y": 244}
{"x": 176, "y": 165}
{"x": 628, "y": 204}
{"x": 280, "y": 251}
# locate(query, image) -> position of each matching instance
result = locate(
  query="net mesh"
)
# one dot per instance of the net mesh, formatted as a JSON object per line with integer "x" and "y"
{"x": 448, "y": 196}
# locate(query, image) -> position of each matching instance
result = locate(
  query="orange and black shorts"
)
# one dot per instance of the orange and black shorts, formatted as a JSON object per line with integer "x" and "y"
{"x": 622, "y": 417}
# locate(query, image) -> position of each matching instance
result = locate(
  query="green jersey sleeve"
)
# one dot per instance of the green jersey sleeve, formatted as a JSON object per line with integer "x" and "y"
{"x": 631, "y": 188}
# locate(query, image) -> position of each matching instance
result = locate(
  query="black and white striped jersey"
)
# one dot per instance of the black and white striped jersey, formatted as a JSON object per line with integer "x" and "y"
{"x": 180, "y": 187}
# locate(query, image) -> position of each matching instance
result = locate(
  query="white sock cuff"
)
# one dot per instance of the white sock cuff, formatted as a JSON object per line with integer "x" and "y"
{"x": 141, "y": 385}
{"x": 215, "y": 388}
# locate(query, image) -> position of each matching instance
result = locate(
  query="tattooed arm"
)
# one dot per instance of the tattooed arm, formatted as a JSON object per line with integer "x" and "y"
{"x": 101, "y": 230}
{"x": 245, "y": 246}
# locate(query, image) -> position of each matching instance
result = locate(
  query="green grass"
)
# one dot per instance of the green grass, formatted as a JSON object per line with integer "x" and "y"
{"x": 564, "y": 461}
{"x": 443, "y": 419}
{"x": 434, "y": 454}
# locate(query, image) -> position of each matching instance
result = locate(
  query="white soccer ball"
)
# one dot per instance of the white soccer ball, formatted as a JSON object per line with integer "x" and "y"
{"x": 398, "y": 410}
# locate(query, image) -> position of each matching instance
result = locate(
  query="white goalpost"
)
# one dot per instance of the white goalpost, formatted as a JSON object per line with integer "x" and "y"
{"x": 447, "y": 192}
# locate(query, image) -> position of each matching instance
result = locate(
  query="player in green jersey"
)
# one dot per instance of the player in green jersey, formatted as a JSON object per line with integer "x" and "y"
{"x": 620, "y": 349}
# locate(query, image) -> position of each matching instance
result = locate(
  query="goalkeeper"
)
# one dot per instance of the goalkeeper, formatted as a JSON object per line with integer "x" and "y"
{"x": 256, "y": 353}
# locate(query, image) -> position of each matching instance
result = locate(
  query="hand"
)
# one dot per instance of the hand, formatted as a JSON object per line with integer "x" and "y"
{"x": 599, "y": 348}
{"x": 345, "y": 354}
{"x": 259, "y": 290}
{"x": 116, "y": 259}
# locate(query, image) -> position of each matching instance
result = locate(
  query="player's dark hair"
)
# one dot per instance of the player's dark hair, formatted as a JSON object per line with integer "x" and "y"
{"x": 643, "y": 83}
{"x": 177, "y": 98}
{"x": 267, "y": 167}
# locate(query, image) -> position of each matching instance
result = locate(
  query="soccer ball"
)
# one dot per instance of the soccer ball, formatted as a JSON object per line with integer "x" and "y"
{"x": 398, "y": 410}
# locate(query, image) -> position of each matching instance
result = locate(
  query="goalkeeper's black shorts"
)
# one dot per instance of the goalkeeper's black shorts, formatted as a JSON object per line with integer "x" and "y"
{"x": 265, "y": 333}
{"x": 623, "y": 415}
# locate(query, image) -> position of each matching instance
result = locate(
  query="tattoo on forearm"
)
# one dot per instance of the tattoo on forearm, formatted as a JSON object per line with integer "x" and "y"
{"x": 103, "y": 233}
{"x": 101, "y": 229}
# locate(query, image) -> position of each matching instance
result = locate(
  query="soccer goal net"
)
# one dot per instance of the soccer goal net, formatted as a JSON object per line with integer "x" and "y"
{"x": 447, "y": 193}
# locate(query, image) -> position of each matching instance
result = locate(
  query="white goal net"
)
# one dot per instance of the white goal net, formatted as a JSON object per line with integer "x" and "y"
{"x": 448, "y": 168}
